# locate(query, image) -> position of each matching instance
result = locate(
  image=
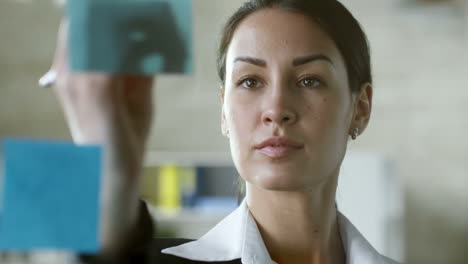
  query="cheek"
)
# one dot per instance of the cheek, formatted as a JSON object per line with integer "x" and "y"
{"x": 324, "y": 121}
{"x": 318, "y": 115}
{"x": 242, "y": 114}
{"x": 240, "y": 120}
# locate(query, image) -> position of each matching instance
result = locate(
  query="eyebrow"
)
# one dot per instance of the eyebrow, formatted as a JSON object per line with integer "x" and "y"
{"x": 251, "y": 60}
{"x": 296, "y": 62}
{"x": 311, "y": 58}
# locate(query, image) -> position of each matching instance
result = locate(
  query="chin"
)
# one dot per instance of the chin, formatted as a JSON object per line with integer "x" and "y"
{"x": 274, "y": 180}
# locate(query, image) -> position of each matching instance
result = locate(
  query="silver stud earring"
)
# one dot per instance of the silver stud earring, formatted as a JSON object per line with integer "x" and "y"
{"x": 355, "y": 133}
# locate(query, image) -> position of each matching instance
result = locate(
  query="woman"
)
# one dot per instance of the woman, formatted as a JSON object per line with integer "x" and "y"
{"x": 296, "y": 84}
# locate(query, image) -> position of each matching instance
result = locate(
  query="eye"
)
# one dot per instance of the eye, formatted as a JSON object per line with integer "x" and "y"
{"x": 309, "y": 82}
{"x": 249, "y": 83}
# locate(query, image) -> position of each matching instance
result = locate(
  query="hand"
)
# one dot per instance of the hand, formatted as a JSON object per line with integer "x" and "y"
{"x": 114, "y": 111}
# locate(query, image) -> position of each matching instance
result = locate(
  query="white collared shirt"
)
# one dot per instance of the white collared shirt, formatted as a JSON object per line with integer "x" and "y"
{"x": 237, "y": 237}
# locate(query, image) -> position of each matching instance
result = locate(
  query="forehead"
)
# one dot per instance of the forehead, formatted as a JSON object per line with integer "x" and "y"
{"x": 286, "y": 34}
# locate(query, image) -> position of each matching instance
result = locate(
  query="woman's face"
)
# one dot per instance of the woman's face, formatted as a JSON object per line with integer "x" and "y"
{"x": 285, "y": 77}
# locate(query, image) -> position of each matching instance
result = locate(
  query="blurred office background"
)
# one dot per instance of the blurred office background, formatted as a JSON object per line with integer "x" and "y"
{"x": 404, "y": 182}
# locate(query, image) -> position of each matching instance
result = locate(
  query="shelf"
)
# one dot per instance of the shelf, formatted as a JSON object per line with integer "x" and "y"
{"x": 190, "y": 159}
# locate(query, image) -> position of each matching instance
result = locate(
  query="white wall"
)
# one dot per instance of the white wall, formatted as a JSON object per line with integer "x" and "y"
{"x": 371, "y": 197}
{"x": 419, "y": 121}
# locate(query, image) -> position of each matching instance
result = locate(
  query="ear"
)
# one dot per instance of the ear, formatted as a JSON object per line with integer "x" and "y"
{"x": 224, "y": 129}
{"x": 362, "y": 108}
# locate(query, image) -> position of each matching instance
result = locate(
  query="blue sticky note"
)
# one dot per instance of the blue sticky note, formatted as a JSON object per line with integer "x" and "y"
{"x": 141, "y": 37}
{"x": 50, "y": 196}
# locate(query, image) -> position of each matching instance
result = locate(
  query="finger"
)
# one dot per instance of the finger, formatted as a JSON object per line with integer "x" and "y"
{"x": 60, "y": 60}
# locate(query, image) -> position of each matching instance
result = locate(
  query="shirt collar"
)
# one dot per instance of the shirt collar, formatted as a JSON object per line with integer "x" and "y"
{"x": 237, "y": 237}
{"x": 358, "y": 250}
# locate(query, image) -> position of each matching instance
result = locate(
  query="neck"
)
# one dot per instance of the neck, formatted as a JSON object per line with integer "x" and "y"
{"x": 298, "y": 227}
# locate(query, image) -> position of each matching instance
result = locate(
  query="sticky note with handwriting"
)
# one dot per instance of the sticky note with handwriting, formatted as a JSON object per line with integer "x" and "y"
{"x": 50, "y": 196}
{"x": 141, "y": 37}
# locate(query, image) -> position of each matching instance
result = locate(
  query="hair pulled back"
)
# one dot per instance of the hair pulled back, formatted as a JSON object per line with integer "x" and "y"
{"x": 330, "y": 15}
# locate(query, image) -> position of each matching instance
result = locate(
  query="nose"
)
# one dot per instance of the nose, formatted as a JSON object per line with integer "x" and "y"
{"x": 279, "y": 110}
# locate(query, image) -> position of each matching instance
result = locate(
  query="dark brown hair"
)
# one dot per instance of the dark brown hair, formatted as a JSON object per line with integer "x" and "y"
{"x": 331, "y": 16}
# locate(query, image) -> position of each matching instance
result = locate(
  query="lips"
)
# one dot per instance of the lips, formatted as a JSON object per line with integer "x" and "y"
{"x": 278, "y": 147}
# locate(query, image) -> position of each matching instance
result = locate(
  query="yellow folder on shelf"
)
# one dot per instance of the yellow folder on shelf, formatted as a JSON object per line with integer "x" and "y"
{"x": 169, "y": 196}
{"x": 169, "y": 187}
